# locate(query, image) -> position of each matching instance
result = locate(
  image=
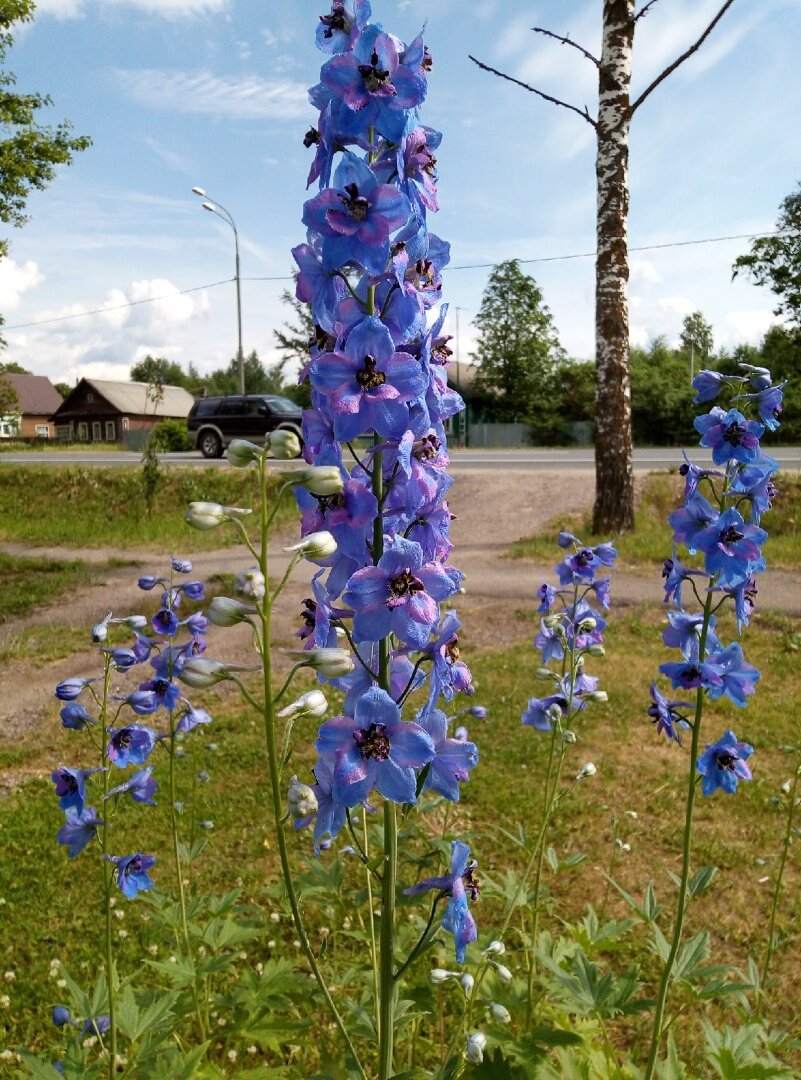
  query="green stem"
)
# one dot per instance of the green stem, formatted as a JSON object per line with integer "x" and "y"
{"x": 371, "y": 915}
{"x": 681, "y": 904}
{"x": 788, "y": 836}
{"x": 386, "y": 979}
{"x": 108, "y": 882}
{"x": 268, "y": 713}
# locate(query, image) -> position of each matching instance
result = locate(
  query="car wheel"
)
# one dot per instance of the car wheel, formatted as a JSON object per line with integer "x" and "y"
{"x": 210, "y": 444}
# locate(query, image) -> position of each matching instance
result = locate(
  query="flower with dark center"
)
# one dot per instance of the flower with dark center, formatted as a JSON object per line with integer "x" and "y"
{"x": 71, "y": 786}
{"x": 401, "y": 586}
{"x": 132, "y": 872}
{"x": 458, "y": 919}
{"x": 368, "y": 378}
{"x": 693, "y": 675}
{"x": 666, "y": 716}
{"x": 724, "y": 763}
{"x": 427, "y": 448}
{"x": 730, "y": 547}
{"x": 335, "y": 21}
{"x": 730, "y": 436}
{"x": 355, "y": 204}
{"x": 131, "y": 745}
{"x": 374, "y": 749}
{"x": 376, "y": 79}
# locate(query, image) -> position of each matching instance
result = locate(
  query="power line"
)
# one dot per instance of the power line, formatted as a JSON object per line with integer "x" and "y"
{"x": 464, "y": 266}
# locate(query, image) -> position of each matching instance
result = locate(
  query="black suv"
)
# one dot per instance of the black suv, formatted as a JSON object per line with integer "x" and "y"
{"x": 214, "y": 421}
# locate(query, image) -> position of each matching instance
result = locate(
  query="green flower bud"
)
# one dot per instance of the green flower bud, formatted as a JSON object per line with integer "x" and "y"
{"x": 317, "y": 545}
{"x": 300, "y": 798}
{"x": 223, "y": 611}
{"x": 333, "y": 662}
{"x": 208, "y": 515}
{"x": 241, "y": 453}
{"x": 284, "y": 444}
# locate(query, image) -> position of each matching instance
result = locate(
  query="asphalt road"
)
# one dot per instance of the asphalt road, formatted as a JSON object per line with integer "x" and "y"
{"x": 789, "y": 457}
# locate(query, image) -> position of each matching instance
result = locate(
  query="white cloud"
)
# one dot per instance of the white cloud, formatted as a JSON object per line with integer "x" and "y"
{"x": 168, "y": 155}
{"x": 643, "y": 272}
{"x": 16, "y": 279}
{"x": 749, "y": 326}
{"x": 241, "y": 97}
{"x": 167, "y": 9}
{"x": 680, "y": 305}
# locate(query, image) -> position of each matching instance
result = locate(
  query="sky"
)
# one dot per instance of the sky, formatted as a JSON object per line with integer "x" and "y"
{"x": 119, "y": 259}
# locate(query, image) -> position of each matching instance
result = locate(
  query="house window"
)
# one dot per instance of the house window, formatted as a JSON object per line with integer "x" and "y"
{"x": 90, "y": 398}
{"x": 111, "y": 431}
{"x": 97, "y": 431}
{"x": 42, "y": 431}
{"x": 83, "y": 431}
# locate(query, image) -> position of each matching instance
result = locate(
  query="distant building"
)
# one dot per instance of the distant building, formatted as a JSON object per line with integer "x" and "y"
{"x": 99, "y": 410}
{"x": 38, "y": 399}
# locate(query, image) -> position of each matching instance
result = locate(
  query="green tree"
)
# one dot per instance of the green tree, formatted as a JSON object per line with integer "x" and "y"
{"x": 157, "y": 371}
{"x": 63, "y": 388}
{"x": 661, "y": 396}
{"x": 294, "y": 342}
{"x": 12, "y": 368}
{"x": 696, "y": 336}
{"x": 258, "y": 379}
{"x": 30, "y": 151}
{"x": 775, "y": 261}
{"x": 517, "y": 351}
{"x": 9, "y": 398}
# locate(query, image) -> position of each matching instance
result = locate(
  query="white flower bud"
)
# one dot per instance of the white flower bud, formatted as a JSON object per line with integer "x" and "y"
{"x": 596, "y": 650}
{"x": 317, "y": 545}
{"x": 599, "y": 696}
{"x": 241, "y": 453}
{"x": 200, "y": 673}
{"x": 313, "y": 703}
{"x": 223, "y": 611}
{"x": 100, "y": 630}
{"x": 569, "y": 736}
{"x": 438, "y": 976}
{"x": 318, "y": 479}
{"x": 333, "y": 663}
{"x": 586, "y": 625}
{"x": 250, "y": 583}
{"x": 503, "y": 973}
{"x": 786, "y": 787}
{"x": 300, "y": 798}
{"x": 136, "y": 622}
{"x": 500, "y": 1013}
{"x": 543, "y": 673}
{"x": 208, "y": 515}
{"x": 284, "y": 444}
{"x": 474, "y": 1050}
{"x": 632, "y": 814}
{"x": 467, "y": 982}
{"x": 495, "y": 948}
{"x": 552, "y": 620}
{"x": 588, "y": 769}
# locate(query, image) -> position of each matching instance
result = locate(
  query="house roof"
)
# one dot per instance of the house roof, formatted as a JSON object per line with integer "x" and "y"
{"x": 37, "y": 395}
{"x": 131, "y": 398}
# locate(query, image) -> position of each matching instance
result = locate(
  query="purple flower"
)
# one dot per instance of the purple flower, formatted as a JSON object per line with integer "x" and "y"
{"x": 453, "y": 758}
{"x": 547, "y": 595}
{"x": 693, "y": 475}
{"x": 132, "y": 872}
{"x": 61, "y": 1015}
{"x": 691, "y": 519}
{"x": 181, "y": 566}
{"x": 164, "y": 622}
{"x": 147, "y": 582}
{"x": 541, "y": 713}
{"x": 724, "y": 763}
{"x": 400, "y": 595}
{"x": 665, "y": 714}
{"x": 729, "y": 435}
{"x": 97, "y": 1025}
{"x": 450, "y": 674}
{"x": 79, "y": 829}
{"x": 731, "y": 548}
{"x": 375, "y": 749}
{"x": 368, "y": 384}
{"x": 739, "y": 677}
{"x": 70, "y": 689}
{"x": 141, "y": 787}
{"x": 551, "y": 642}
{"x": 684, "y": 632}
{"x": 131, "y": 745}
{"x": 191, "y": 719}
{"x": 193, "y": 590}
{"x": 692, "y": 674}
{"x": 75, "y": 717}
{"x": 330, "y": 816}
{"x": 71, "y": 786}
{"x": 708, "y": 385}
{"x": 458, "y": 919}
{"x": 337, "y": 31}
{"x": 356, "y": 216}
{"x": 165, "y": 693}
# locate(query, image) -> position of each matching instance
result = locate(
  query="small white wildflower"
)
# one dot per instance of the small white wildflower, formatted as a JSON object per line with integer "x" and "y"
{"x": 173, "y": 959}
{"x": 500, "y": 1012}
{"x": 61, "y": 983}
{"x": 119, "y": 913}
{"x": 123, "y": 934}
{"x": 260, "y": 968}
{"x": 253, "y": 1050}
{"x": 495, "y": 948}
{"x": 271, "y": 945}
{"x": 274, "y": 916}
{"x": 232, "y": 1056}
{"x": 787, "y": 787}
{"x": 474, "y": 1050}
{"x": 6, "y": 1055}
{"x": 296, "y": 944}
{"x": 5, "y": 1001}
{"x": 221, "y": 1021}
{"x": 153, "y": 950}
{"x": 588, "y": 769}
{"x": 9, "y": 976}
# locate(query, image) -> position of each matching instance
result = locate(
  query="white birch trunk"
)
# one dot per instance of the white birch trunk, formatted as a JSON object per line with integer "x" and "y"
{"x": 614, "y": 491}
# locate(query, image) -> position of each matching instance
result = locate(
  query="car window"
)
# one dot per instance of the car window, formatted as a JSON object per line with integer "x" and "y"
{"x": 282, "y": 404}
{"x": 231, "y": 407}
{"x": 205, "y": 407}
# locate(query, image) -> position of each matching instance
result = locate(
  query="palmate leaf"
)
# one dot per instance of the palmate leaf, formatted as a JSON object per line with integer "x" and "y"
{"x": 40, "y": 1070}
{"x": 271, "y": 1032}
{"x": 180, "y": 974}
{"x": 222, "y": 933}
{"x": 497, "y": 1067}
{"x": 691, "y": 956}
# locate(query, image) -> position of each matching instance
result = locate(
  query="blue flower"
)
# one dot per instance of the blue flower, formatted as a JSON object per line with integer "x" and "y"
{"x": 75, "y": 717}
{"x": 79, "y": 829}
{"x": 165, "y": 622}
{"x": 131, "y": 745}
{"x": 193, "y": 590}
{"x": 462, "y": 880}
{"x": 191, "y": 719}
{"x": 70, "y": 689}
{"x": 71, "y": 786}
{"x": 724, "y": 763}
{"x": 739, "y": 677}
{"x": 692, "y": 674}
{"x": 166, "y": 693}
{"x": 375, "y": 749}
{"x": 666, "y": 716}
{"x": 181, "y": 566}
{"x": 132, "y": 872}
{"x": 731, "y": 548}
{"x": 729, "y": 435}
{"x": 684, "y": 632}
{"x": 696, "y": 514}
{"x": 708, "y": 385}
{"x": 61, "y": 1015}
{"x": 453, "y": 758}
{"x": 542, "y": 713}
{"x": 141, "y": 786}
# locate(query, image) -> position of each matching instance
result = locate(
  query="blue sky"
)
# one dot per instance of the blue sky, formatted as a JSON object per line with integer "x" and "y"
{"x": 213, "y": 92}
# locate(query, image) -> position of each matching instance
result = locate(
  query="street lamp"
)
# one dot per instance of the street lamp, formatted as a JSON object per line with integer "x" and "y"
{"x": 225, "y": 215}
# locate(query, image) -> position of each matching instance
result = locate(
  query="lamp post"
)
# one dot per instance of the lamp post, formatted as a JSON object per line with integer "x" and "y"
{"x": 225, "y": 215}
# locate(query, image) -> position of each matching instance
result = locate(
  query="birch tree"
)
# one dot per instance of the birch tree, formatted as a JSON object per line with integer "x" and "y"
{"x": 614, "y": 487}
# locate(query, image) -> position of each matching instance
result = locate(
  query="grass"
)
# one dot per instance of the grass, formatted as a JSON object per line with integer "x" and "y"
{"x": 646, "y": 546}
{"x": 76, "y": 506}
{"x": 26, "y": 583}
{"x": 52, "y": 446}
{"x": 636, "y": 771}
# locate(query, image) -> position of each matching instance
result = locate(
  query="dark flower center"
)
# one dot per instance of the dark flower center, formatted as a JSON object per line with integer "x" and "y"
{"x": 426, "y": 448}
{"x": 311, "y": 138}
{"x": 583, "y": 557}
{"x": 423, "y": 275}
{"x": 375, "y": 78}
{"x": 69, "y": 783}
{"x": 440, "y": 353}
{"x": 369, "y": 378}
{"x": 691, "y": 674}
{"x": 321, "y": 340}
{"x": 335, "y": 21}
{"x": 725, "y": 760}
{"x": 402, "y": 586}
{"x": 161, "y": 686}
{"x": 373, "y": 742}
{"x": 331, "y": 502}
{"x": 471, "y": 883}
{"x": 428, "y": 61}
{"x": 452, "y": 650}
{"x": 308, "y": 612}
{"x": 355, "y": 204}
{"x": 732, "y": 433}
{"x": 730, "y": 535}
{"x": 123, "y": 739}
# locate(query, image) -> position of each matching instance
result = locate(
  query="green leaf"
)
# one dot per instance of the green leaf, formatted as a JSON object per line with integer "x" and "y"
{"x": 40, "y": 1070}
{"x": 551, "y": 1036}
{"x": 180, "y": 974}
{"x": 701, "y": 880}
{"x": 691, "y": 956}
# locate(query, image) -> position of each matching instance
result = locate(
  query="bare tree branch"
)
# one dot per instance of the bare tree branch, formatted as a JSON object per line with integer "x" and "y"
{"x": 644, "y": 10}
{"x": 568, "y": 41}
{"x": 584, "y": 114}
{"x": 684, "y": 56}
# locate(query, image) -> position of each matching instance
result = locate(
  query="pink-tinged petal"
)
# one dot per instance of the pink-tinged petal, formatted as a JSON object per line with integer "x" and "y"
{"x": 440, "y": 581}
{"x": 410, "y": 89}
{"x": 396, "y": 783}
{"x": 368, "y": 588}
{"x": 334, "y": 733}
{"x": 346, "y": 400}
{"x": 342, "y": 223}
{"x": 353, "y": 777}
{"x": 411, "y": 745}
{"x": 341, "y": 76}
{"x": 392, "y": 204}
{"x": 374, "y": 230}
{"x": 385, "y": 392}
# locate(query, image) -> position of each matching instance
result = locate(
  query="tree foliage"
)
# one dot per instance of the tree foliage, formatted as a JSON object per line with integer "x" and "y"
{"x": 9, "y": 398}
{"x": 775, "y": 261}
{"x": 517, "y": 351}
{"x": 696, "y": 336}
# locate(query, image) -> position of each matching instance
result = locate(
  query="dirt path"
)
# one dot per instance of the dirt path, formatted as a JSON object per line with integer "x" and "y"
{"x": 493, "y": 509}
